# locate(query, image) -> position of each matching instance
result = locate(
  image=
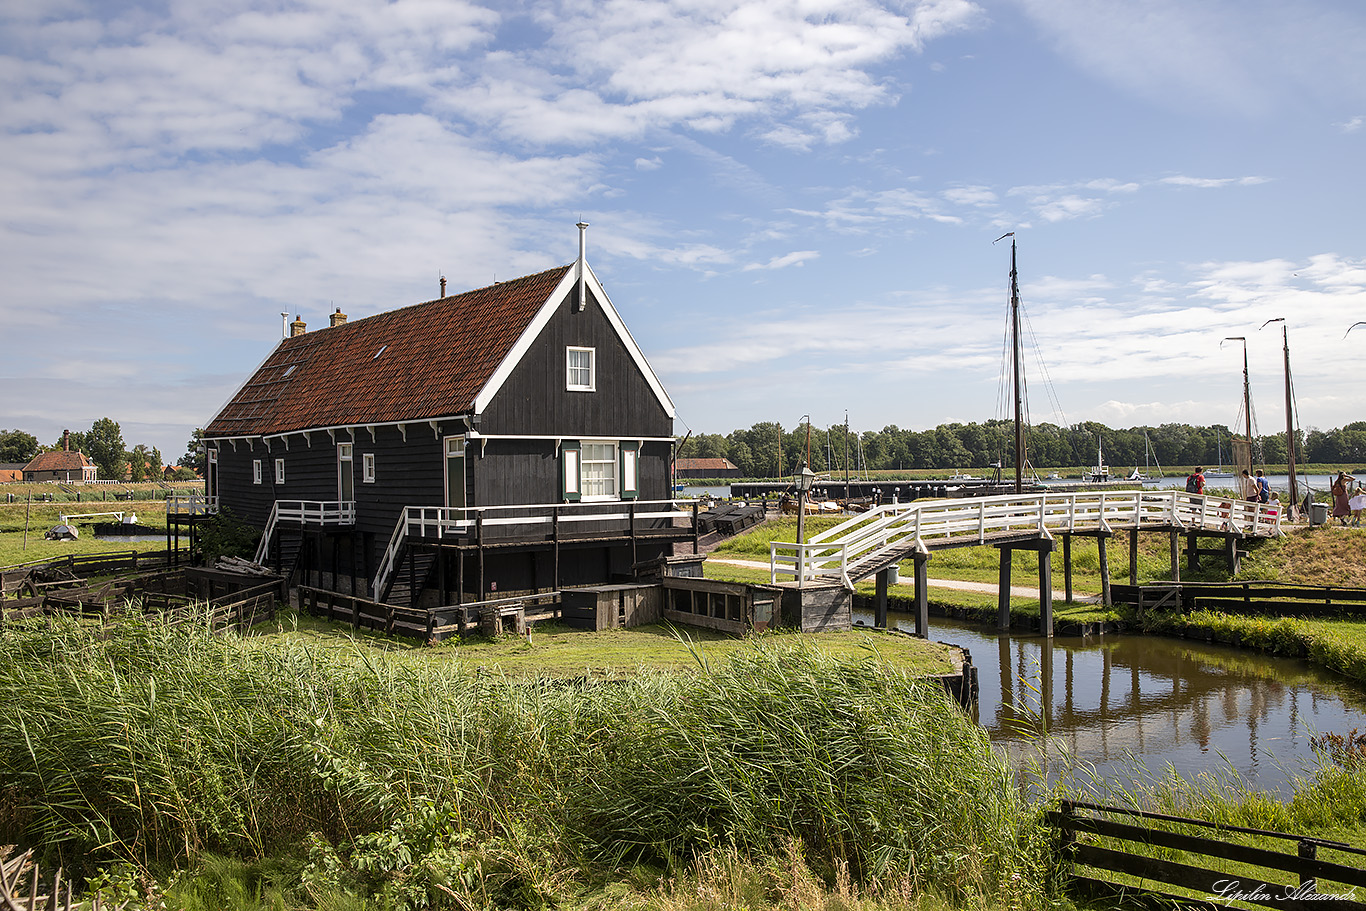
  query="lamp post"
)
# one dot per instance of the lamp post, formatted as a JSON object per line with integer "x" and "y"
{"x": 805, "y": 477}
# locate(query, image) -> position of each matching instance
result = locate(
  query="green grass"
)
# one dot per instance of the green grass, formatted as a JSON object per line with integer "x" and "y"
{"x": 559, "y": 651}
{"x": 404, "y": 782}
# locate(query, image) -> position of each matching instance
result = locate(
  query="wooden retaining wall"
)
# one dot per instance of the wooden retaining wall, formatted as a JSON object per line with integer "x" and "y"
{"x": 1152, "y": 851}
{"x": 1266, "y": 598}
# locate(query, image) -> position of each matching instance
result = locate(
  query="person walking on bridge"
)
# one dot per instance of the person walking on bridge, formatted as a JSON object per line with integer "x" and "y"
{"x": 1195, "y": 483}
{"x": 1250, "y": 491}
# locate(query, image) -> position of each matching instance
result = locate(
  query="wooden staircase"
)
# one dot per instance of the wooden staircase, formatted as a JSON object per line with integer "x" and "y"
{"x": 409, "y": 578}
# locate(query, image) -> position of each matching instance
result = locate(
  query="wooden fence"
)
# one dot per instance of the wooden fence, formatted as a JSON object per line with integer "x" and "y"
{"x": 429, "y": 625}
{"x": 1225, "y": 864}
{"x": 1245, "y": 598}
{"x": 28, "y": 579}
{"x": 179, "y": 596}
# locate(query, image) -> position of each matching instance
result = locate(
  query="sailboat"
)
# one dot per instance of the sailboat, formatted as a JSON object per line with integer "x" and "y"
{"x": 1101, "y": 472}
{"x": 1218, "y": 472}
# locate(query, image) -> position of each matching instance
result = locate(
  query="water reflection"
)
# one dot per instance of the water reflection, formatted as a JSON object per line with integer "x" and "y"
{"x": 1109, "y": 701}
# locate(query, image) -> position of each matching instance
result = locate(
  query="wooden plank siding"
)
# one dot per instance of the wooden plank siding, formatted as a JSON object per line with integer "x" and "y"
{"x": 535, "y": 400}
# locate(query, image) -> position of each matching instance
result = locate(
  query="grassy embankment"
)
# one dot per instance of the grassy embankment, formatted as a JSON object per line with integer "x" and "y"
{"x": 1317, "y": 556}
{"x": 39, "y": 515}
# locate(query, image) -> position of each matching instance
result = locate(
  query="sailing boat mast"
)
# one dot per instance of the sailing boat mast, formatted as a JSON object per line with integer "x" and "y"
{"x": 1289, "y": 418}
{"x": 1247, "y": 400}
{"x": 1016, "y": 366}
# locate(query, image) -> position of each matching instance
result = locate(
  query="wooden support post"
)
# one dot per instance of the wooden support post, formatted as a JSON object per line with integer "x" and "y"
{"x": 1192, "y": 552}
{"x": 631, "y": 519}
{"x": 1003, "y": 591}
{"x": 555, "y": 544}
{"x": 440, "y": 577}
{"x": 1046, "y": 591}
{"x": 1231, "y": 554}
{"x": 1067, "y": 567}
{"x": 1105, "y": 599}
{"x": 922, "y": 596}
{"x": 479, "y": 541}
{"x": 1176, "y": 557}
{"x": 1133, "y": 555}
{"x": 880, "y": 612}
{"x": 694, "y": 530}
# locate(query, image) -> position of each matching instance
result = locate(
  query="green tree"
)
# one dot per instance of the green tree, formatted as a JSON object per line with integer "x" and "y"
{"x": 144, "y": 463}
{"x": 104, "y": 444}
{"x": 194, "y": 452}
{"x": 17, "y": 446}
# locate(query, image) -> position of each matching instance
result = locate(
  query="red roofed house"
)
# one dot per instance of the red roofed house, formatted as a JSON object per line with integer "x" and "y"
{"x": 706, "y": 468}
{"x": 508, "y": 439}
{"x": 61, "y": 465}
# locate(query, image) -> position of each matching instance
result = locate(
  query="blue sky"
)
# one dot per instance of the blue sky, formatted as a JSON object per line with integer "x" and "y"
{"x": 792, "y": 203}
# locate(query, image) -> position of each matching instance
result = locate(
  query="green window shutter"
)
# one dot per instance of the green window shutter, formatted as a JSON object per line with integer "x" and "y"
{"x": 571, "y": 471}
{"x": 629, "y": 469}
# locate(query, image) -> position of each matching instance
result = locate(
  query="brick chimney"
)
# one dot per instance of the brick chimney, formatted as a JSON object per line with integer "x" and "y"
{"x": 338, "y": 318}
{"x": 298, "y": 327}
{"x": 66, "y": 441}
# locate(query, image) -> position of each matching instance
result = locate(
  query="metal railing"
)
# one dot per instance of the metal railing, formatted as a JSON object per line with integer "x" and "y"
{"x": 441, "y": 522}
{"x": 860, "y": 545}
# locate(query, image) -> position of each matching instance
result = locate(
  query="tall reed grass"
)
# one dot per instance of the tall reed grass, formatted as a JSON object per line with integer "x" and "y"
{"x": 158, "y": 744}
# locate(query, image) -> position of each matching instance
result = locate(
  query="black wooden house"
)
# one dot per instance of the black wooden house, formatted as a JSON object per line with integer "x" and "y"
{"x": 504, "y": 440}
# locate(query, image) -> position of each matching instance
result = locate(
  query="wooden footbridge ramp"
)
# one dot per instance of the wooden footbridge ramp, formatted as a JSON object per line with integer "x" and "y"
{"x": 871, "y": 543}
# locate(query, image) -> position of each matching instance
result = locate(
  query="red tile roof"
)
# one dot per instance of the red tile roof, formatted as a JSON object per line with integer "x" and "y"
{"x": 705, "y": 465}
{"x": 59, "y": 460}
{"x": 426, "y": 361}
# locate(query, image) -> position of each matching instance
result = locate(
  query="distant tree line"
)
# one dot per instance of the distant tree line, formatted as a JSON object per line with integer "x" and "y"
{"x": 768, "y": 449}
{"x": 104, "y": 444}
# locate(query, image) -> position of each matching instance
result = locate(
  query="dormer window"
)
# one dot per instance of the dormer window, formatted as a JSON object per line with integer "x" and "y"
{"x": 581, "y": 375}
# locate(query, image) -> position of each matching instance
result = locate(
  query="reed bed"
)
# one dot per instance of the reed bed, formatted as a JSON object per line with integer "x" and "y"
{"x": 439, "y": 786}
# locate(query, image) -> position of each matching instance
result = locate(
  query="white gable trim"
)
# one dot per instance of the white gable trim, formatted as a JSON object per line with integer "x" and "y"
{"x": 542, "y": 319}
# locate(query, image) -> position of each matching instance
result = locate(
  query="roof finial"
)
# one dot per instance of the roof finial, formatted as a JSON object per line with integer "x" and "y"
{"x": 582, "y": 301}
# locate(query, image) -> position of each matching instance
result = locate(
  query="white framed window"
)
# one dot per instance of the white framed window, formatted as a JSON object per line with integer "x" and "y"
{"x": 346, "y": 472}
{"x": 598, "y": 470}
{"x": 256, "y": 471}
{"x": 581, "y": 375}
{"x": 279, "y": 471}
{"x": 630, "y": 470}
{"x": 367, "y": 472}
{"x": 455, "y": 472}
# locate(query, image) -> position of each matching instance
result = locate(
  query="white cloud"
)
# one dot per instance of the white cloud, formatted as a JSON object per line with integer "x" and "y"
{"x": 1351, "y": 125}
{"x": 795, "y": 258}
{"x": 1213, "y": 182}
{"x": 649, "y": 164}
{"x": 1249, "y": 58}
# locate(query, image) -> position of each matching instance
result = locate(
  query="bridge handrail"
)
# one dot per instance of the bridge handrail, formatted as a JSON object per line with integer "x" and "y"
{"x": 888, "y": 527}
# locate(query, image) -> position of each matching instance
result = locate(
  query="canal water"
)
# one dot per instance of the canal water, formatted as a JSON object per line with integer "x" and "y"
{"x": 1125, "y": 704}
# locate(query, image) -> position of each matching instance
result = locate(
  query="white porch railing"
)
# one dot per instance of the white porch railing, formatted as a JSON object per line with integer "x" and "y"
{"x": 305, "y": 512}
{"x": 863, "y": 544}
{"x": 444, "y": 522}
{"x": 194, "y": 504}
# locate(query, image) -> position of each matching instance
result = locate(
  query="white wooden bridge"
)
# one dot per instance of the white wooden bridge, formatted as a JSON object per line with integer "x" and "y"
{"x": 871, "y": 543}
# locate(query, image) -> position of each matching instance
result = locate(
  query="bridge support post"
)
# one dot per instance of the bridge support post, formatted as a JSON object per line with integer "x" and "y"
{"x": 1176, "y": 557}
{"x": 922, "y": 596}
{"x": 1003, "y": 590}
{"x": 1067, "y": 566}
{"x": 1192, "y": 552}
{"x": 1105, "y": 599}
{"x": 1046, "y": 591}
{"x": 1232, "y": 555}
{"x": 880, "y": 610}
{"x": 1133, "y": 555}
